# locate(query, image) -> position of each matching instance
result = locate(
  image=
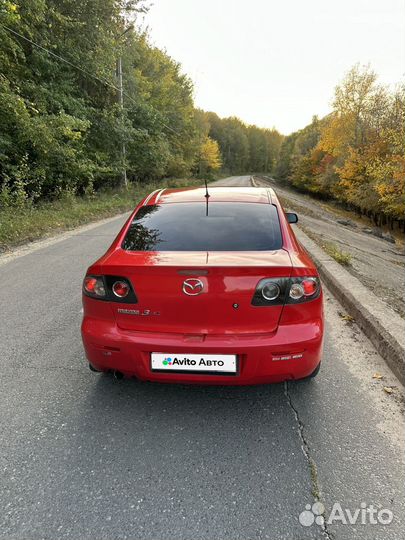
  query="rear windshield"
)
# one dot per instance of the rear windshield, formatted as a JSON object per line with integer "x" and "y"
{"x": 187, "y": 227}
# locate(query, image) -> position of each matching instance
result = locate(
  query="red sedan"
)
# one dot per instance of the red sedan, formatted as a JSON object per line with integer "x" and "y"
{"x": 208, "y": 288}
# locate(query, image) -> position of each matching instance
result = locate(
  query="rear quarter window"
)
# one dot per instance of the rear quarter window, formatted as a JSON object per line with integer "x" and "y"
{"x": 194, "y": 227}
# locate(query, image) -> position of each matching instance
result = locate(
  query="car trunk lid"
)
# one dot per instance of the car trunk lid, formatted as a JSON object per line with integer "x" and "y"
{"x": 197, "y": 292}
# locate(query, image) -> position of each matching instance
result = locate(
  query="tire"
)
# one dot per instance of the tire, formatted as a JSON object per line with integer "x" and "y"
{"x": 315, "y": 372}
{"x": 92, "y": 368}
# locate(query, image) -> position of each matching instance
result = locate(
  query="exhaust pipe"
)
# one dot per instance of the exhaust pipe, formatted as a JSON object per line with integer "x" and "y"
{"x": 118, "y": 375}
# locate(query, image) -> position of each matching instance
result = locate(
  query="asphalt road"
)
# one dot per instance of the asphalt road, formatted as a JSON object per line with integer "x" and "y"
{"x": 236, "y": 181}
{"x": 85, "y": 456}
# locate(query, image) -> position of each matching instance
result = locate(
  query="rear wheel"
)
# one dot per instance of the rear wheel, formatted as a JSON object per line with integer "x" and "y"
{"x": 92, "y": 368}
{"x": 315, "y": 372}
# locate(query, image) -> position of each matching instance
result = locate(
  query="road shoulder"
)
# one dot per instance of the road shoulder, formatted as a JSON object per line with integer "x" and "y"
{"x": 36, "y": 245}
{"x": 384, "y": 328}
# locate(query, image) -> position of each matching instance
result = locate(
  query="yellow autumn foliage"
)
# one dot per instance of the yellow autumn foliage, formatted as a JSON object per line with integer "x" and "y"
{"x": 210, "y": 156}
{"x": 365, "y": 138}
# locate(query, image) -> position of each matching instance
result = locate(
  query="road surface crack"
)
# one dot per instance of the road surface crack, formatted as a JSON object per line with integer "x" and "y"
{"x": 315, "y": 487}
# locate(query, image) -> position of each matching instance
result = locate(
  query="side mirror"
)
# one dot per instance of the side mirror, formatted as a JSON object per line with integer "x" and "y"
{"x": 291, "y": 217}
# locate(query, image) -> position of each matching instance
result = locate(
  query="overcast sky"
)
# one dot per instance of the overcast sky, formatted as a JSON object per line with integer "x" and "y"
{"x": 276, "y": 62}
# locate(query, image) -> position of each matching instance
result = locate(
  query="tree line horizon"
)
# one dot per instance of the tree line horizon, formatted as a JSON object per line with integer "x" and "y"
{"x": 62, "y": 129}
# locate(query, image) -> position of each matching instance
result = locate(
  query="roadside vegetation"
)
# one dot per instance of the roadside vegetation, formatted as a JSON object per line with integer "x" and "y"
{"x": 356, "y": 154}
{"x": 62, "y": 127}
{"x": 333, "y": 250}
{"x": 336, "y": 253}
{"x": 30, "y": 222}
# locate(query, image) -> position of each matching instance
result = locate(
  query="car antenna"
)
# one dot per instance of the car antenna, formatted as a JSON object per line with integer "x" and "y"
{"x": 207, "y": 195}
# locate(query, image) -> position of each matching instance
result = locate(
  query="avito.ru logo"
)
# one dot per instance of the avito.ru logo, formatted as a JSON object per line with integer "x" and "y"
{"x": 366, "y": 514}
{"x": 168, "y": 361}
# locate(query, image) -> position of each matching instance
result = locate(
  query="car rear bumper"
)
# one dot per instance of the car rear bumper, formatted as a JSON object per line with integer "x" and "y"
{"x": 259, "y": 356}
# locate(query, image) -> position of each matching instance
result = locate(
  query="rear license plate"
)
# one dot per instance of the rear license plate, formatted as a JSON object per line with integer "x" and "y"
{"x": 203, "y": 363}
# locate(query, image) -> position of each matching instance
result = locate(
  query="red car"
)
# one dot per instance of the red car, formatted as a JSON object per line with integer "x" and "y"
{"x": 208, "y": 288}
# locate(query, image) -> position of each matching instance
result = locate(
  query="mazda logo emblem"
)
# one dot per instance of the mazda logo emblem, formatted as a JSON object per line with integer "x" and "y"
{"x": 193, "y": 286}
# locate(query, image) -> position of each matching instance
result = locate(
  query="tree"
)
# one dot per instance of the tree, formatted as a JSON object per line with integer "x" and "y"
{"x": 356, "y": 154}
{"x": 62, "y": 125}
{"x": 244, "y": 148}
{"x": 210, "y": 156}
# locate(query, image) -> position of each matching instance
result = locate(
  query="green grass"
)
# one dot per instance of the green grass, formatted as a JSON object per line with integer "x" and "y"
{"x": 341, "y": 257}
{"x": 20, "y": 225}
{"x": 336, "y": 253}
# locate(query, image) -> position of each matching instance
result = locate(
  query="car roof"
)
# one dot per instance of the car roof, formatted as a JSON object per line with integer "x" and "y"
{"x": 217, "y": 194}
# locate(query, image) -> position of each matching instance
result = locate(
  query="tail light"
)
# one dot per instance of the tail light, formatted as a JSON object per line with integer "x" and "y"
{"x": 271, "y": 291}
{"x": 279, "y": 291}
{"x": 109, "y": 288}
{"x": 121, "y": 289}
{"x": 94, "y": 286}
{"x": 305, "y": 287}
